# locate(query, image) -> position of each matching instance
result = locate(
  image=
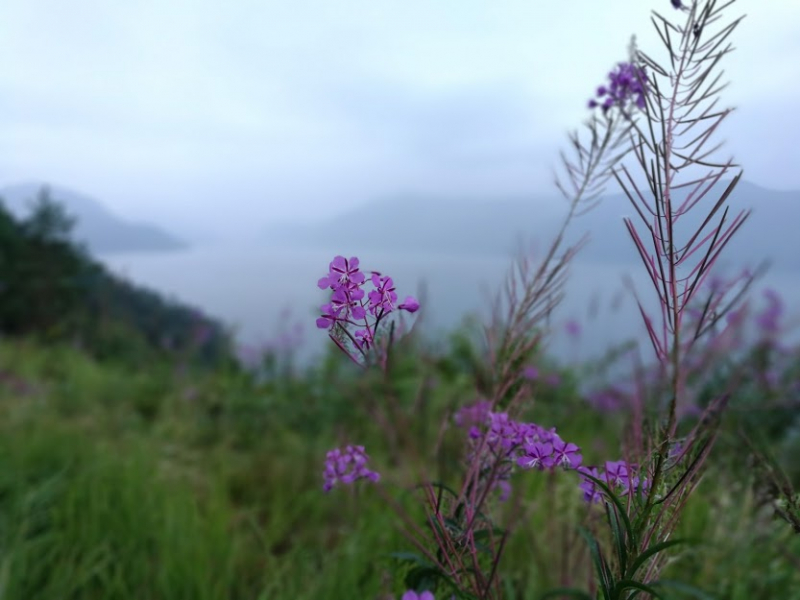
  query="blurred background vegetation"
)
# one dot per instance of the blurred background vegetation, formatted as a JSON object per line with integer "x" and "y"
{"x": 140, "y": 459}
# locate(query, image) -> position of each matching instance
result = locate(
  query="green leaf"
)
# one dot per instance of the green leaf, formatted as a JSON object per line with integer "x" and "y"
{"x": 619, "y": 537}
{"x": 618, "y": 504}
{"x": 649, "y": 553}
{"x": 606, "y": 577}
{"x": 629, "y": 584}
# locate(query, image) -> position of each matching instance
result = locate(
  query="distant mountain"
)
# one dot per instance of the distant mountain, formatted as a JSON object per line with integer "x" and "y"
{"x": 101, "y": 231}
{"x": 492, "y": 227}
{"x": 462, "y": 226}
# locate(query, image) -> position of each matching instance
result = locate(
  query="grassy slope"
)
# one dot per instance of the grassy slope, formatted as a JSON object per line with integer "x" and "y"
{"x": 168, "y": 485}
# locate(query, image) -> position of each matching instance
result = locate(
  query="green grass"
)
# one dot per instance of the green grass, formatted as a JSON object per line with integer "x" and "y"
{"x": 163, "y": 485}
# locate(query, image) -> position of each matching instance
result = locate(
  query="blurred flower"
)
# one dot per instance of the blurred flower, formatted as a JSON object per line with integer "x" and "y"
{"x": 412, "y": 595}
{"x": 768, "y": 320}
{"x": 531, "y": 373}
{"x": 347, "y": 466}
{"x": 474, "y": 414}
{"x": 573, "y": 328}
{"x": 591, "y": 493}
{"x": 554, "y": 379}
{"x": 410, "y": 304}
{"x": 627, "y": 82}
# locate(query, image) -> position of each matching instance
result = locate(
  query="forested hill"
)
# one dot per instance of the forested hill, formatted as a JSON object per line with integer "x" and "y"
{"x": 51, "y": 288}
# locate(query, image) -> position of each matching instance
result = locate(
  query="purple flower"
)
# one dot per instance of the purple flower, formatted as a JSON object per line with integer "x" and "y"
{"x": 768, "y": 320}
{"x": 503, "y": 432}
{"x": 621, "y": 475}
{"x": 346, "y": 301}
{"x": 383, "y": 298}
{"x": 410, "y": 304}
{"x": 573, "y": 328}
{"x": 537, "y": 456}
{"x": 554, "y": 379}
{"x": 591, "y": 493}
{"x": 627, "y": 82}
{"x": 342, "y": 273}
{"x": 329, "y": 316}
{"x": 347, "y": 466}
{"x": 474, "y": 414}
{"x": 412, "y": 595}
{"x": 617, "y": 474}
{"x": 566, "y": 454}
{"x": 607, "y": 400}
{"x": 364, "y": 339}
{"x": 531, "y": 373}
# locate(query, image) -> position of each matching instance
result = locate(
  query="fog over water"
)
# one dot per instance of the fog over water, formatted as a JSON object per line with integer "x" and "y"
{"x": 250, "y": 287}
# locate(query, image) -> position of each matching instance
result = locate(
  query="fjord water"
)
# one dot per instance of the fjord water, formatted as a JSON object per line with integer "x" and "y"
{"x": 251, "y": 287}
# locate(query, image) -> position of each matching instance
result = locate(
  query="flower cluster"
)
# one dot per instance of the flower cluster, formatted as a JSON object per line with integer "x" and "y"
{"x": 620, "y": 476}
{"x": 347, "y": 466}
{"x": 769, "y": 319}
{"x": 351, "y": 305}
{"x": 627, "y": 81}
{"x": 528, "y": 444}
{"x": 501, "y": 439}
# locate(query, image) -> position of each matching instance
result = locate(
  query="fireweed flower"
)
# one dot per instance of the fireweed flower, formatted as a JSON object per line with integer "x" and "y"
{"x": 347, "y": 302}
{"x": 474, "y": 414}
{"x": 410, "y": 304}
{"x": 364, "y": 338}
{"x": 527, "y": 445}
{"x": 768, "y": 320}
{"x": 591, "y": 493}
{"x": 626, "y": 84}
{"x": 619, "y": 475}
{"x": 350, "y": 304}
{"x": 383, "y": 298}
{"x": 342, "y": 273}
{"x": 573, "y": 328}
{"x": 566, "y": 454}
{"x": 346, "y": 466}
{"x": 537, "y": 456}
{"x": 412, "y": 595}
{"x": 329, "y": 316}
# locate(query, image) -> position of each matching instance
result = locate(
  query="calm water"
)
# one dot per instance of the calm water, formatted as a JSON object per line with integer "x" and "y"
{"x": 250, "y": 288}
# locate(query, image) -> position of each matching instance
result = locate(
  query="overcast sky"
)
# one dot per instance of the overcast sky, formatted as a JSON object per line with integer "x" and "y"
{"x": 215, "y": 118}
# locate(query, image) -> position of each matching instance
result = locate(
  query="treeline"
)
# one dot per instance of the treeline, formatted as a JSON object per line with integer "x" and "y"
{"x": 52, "y": 289}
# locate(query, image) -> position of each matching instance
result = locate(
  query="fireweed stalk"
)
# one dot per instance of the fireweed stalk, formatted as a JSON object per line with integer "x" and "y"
{"x": 643, "y": 494}
{"x": 678, "y": 256}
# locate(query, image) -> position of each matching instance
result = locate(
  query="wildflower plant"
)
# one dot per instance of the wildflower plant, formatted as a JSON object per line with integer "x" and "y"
{"x": 355, "y": 318}
{"x": 647, "y": 109}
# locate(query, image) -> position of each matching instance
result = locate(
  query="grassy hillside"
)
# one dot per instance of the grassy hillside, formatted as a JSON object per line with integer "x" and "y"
{"x": 173, "y": 484}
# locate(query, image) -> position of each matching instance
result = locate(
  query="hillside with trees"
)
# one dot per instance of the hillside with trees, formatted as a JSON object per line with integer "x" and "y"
{"x": 52, "y": 289}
